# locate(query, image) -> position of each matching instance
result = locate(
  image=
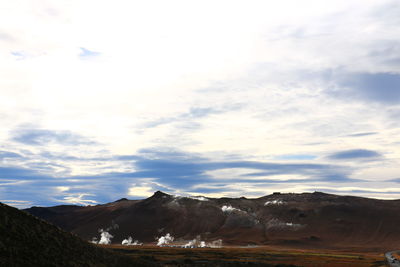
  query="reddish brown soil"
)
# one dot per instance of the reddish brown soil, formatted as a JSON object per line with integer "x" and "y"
{"x": 260, "y": 255}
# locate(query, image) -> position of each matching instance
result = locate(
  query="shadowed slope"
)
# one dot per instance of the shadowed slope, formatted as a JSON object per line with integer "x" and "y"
{"x": 29, "y": 241}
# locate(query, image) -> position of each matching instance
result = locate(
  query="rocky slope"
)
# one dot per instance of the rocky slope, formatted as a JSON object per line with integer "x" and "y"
{"x": 305, "y": 220}
{"x": 28, "y": 241}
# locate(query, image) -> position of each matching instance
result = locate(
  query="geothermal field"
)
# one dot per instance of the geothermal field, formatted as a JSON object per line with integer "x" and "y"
{"x": 309, "y": 229}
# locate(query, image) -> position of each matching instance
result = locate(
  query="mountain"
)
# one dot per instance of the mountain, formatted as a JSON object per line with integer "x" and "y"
{"x": 28, "y": 241}
{"x": 305, "y": 220}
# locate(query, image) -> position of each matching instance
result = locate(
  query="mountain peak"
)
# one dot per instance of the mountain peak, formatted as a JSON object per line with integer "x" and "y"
{"x": 122, "y": 199}
{"x": 159, "y": 194}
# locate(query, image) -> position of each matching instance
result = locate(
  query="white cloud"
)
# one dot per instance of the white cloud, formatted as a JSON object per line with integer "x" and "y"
{"x": 21, "y": 204}
{"x": 62, "y": 188}
{"x": 79, "y": 199}
{"x": 264, "y": 65}
{"x": 141, "y": 191}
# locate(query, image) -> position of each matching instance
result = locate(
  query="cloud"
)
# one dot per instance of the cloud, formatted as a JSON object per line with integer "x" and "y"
{"x": 386, "y": 53}
{"x": 296, "y": 157}
{"x": 193, "y": 114}
{"x": 40, "y": 137}
{"x": 6, "y": 37}
{"x": 355, "y": 154}
{"x": 286, "y": 178}
{"x": 281, "y": 89}
{"x": 184, "y": 170}
{"x": 7, "y": 154}
{"x": 141, "y": 191}
{"x": 362, "y": 134}
{"x": 389, "y": 10}
{"x": 17, "y": 203}
{"x": 381, "y": 88}
{"x": 165, "y": 153}
{"x": 19, "y": 55}
{"x": 86, "y": 53}
{"x": 156, "y": 169}
{"x": 19, "y": 173}
{"x": 79, "y": 199}
{"x": 358, "y": 189}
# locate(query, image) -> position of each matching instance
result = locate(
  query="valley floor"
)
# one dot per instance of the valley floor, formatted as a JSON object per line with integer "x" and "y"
{"x": 255, "y": 256}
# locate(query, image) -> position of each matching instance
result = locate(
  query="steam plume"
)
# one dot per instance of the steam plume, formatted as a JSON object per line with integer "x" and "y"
{"x": 165, "y": 240}
{"x": 229, "y": 209}
{"x": 274, "y": 202}
{"x": 105, "y": 237}
{"x": 195, "y": 243}
{"x": 128, "y": 242}
{"x": 215, "y": 244}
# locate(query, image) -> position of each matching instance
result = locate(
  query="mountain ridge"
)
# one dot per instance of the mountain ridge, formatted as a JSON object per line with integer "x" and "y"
{"x": 280, "y": 219}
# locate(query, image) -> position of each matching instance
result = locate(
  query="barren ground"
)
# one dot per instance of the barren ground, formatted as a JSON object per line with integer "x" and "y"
{"x": 170, "y": 256}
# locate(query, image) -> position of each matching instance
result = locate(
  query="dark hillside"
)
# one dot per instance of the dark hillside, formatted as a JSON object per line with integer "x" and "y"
{"x": 308, "y": 220}
{"x": 28, "y": 241}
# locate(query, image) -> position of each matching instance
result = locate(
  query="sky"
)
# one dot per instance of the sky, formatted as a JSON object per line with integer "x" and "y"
{"x": 104, "y": 99}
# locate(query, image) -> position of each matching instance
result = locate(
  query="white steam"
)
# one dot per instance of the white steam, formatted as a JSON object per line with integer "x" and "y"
{"x": 165, "y": 240}
{"x": 200, "y": 198}
{"x": 128, "y": 242}
{"x": 274, "y": 202}
{"x": 215, "y": 244}
{"x": 105, "y": 236}
{"x": 275, "y": 223}
{"x": 113, "y": 226}
{"x": 195, "y": 243}
{"x": 229, "y": 209}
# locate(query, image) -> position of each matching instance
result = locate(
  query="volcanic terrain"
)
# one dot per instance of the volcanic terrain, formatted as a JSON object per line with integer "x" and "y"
{"x": 306, "y": 221}
{"x": 29, "y": 241}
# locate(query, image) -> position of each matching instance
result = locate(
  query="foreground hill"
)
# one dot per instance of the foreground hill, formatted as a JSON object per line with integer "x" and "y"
{"x": 308, "y": 220}
{"x": 29, "y": 241}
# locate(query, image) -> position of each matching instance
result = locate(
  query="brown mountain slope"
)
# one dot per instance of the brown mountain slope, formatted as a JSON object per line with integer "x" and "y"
{"x": 308, "y": 220}
{"x": 29, "y": 241}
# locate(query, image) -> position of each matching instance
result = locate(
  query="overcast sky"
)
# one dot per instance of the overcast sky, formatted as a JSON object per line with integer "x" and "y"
{"x": 108, "y": 99}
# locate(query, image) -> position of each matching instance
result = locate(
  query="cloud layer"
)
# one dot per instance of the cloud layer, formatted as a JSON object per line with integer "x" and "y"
{"x": 276, "y": 96}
